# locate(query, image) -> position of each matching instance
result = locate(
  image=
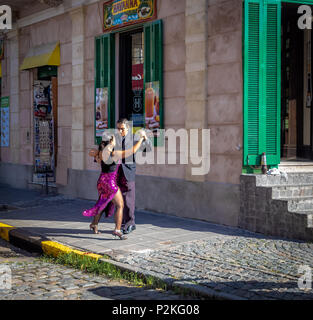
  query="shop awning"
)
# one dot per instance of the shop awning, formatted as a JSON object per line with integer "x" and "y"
{"x": 44, "y": 55}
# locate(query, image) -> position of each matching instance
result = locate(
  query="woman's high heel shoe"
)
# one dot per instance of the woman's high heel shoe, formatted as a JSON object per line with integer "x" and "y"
{"x": 94, "y": 228}
{"x": 119, "y": 234}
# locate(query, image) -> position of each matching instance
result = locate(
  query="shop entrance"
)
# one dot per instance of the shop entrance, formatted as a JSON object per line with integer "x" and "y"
{"x": 131, "y": 74}
{"x": 296, "y": 93}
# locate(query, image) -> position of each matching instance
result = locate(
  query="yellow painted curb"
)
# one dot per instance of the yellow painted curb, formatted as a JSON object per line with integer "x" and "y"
{"x": 4, "y": 231}
{"x": 49, "y": 247}
{"x": 55, "y": 248}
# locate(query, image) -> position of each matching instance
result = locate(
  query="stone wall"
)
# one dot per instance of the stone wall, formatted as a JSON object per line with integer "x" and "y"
{"x": 54, "y": 29}
{"x": 93, "y": 28}
{"x": 225, "y": 89}
{"x": 64, "y": 159}
{"x": 265, "y": 209}
{"x": 26, "y": 102}
{"x": 5, "y": 152}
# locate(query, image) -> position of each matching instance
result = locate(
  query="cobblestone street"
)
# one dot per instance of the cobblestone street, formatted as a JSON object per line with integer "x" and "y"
{"x": 253, "y": 268}
{"x": 33, "y": 279}
{"x": 213, "y": 260}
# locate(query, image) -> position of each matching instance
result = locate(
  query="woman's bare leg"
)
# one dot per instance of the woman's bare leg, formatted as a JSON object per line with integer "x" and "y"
{"x": 119, "y": 204}
{"x": 97, "y": 218}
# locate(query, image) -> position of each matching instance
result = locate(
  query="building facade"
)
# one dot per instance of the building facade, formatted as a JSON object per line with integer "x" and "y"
{"x": 231, "y": 66}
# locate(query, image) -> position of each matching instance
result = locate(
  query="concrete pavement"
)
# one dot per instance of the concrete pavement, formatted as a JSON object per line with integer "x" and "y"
{"x": 213, "y": 260}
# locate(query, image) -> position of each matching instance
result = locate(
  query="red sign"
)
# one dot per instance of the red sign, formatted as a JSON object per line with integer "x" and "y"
{"x": 137, "y": 76}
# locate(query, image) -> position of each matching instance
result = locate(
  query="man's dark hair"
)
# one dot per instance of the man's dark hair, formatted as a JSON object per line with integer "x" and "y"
{"x": 123, "y": 121}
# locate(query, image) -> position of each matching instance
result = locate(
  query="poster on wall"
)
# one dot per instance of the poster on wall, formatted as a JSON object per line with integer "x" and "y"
{"x": 137, "y": 95}
{"x": 43, "y": 127}
{"x": 152, "y": 106}
{"x": 120, "y": 13}
{"x": 5, "y": 121}
{"x": 101, "y": 110}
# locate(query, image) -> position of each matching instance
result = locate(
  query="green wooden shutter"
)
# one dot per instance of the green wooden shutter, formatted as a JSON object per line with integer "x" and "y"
{"x": 273, "y": 81}
{"x": 251, "y": 82}
{"x": 262, "y": 81}
{"x": 153, "y": 61}
{"x": 105, "y": 73}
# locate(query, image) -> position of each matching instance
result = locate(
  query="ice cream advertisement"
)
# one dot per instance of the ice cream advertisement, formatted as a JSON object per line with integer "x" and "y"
{"x": 152, "y": 106}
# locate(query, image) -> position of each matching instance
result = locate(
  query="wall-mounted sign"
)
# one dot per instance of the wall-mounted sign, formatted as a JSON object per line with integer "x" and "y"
{"x": 5, "y": 121}
{"x": 101, "y": 110}
{"x": 120, "y": 13}
{"x": 152, "y": 106}
{"x": 43, "y": 128}
{"x": 137, "y": 95}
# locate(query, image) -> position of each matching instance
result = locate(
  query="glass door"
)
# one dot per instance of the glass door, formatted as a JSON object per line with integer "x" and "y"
{"x": 131, "y": 77}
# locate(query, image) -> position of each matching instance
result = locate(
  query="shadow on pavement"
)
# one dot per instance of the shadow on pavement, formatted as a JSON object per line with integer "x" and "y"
{"x": 57, "y": 210}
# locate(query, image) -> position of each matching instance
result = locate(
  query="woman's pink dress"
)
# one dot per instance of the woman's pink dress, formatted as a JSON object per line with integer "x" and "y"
{"x": 107, "y": 188}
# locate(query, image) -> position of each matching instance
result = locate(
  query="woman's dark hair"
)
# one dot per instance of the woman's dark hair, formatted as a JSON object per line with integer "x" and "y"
{"x": 106, "y": 138}
{"x": 103, "y": 144}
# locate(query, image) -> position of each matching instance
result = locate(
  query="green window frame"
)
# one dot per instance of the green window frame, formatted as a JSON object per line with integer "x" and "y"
{"x": 153, "y": 65}
{"x": 153, "y": 69}
{"x": 105, "y": 75}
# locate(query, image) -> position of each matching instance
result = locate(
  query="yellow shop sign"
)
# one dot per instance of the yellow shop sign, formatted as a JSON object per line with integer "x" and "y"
{"x": 125, "y": 5}
{"x": 120, "y": 13}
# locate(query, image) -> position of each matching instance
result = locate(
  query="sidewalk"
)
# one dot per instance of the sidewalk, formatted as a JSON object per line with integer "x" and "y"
{"x": 213, "y": 260}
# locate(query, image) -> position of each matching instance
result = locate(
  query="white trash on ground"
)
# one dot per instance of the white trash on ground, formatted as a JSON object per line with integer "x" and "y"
{"x": 277, "y": 172}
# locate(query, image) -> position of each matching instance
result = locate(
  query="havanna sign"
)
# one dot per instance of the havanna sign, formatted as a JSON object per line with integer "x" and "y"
{"x": 120, "y": 13}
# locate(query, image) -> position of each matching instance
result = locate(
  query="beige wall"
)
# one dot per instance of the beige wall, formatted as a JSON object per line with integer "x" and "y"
{"x": 225, "y": 89}
{"x": 26, "y": 123}
{"x": 173, "y": 15}
{"x": 64, "y": 98}
{"x": 93, "y": 28}
{"x": 223, "y": 107}
{"x": 174, "y": 54}
{"x": 5, "y": 154}
{"x": 54, "y": 29}
{"x": 10, "y": 87}
{"x": 32, "y": 7}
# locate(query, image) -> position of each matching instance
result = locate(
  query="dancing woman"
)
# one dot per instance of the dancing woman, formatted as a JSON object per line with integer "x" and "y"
{"x": 106, "y": 185}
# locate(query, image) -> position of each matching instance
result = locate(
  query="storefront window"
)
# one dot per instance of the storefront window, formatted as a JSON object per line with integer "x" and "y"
{"x": 139, "y": 88}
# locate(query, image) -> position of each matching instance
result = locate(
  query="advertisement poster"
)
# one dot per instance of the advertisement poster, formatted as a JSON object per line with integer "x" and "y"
{"x": 5, "y": 121}
{"x": 101, "y": 110}
{"x": 120, "y": 13}
{"x": 152, "y": 106}
{"x": 43, "y": 126}
{"x": 137, "y": 95}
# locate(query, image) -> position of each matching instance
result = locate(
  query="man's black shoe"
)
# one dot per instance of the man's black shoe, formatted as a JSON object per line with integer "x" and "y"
{"x": 129, "y": 229}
